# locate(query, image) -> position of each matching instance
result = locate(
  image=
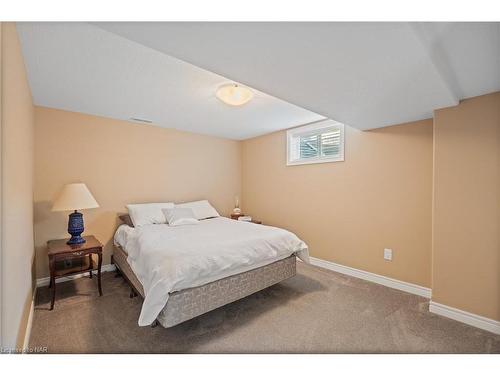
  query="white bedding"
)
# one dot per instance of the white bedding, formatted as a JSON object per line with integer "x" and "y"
{"x": 122, "y": 234}
{"x": 166, "y": 259}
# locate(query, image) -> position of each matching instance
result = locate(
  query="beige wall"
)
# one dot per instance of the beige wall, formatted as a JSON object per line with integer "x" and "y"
{"x": 466, "y": 246}
{"x": 348, "y": 212}
{"x": 122, "y": 163}
{"x": 17, "y": 191}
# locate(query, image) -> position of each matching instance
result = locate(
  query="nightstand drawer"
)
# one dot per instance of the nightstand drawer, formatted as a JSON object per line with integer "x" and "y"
{"x": 75, "y": 253}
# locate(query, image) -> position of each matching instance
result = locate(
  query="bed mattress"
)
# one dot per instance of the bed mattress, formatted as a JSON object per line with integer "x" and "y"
{"x": 167, "y": 259}
{"x": 189, "y": 303}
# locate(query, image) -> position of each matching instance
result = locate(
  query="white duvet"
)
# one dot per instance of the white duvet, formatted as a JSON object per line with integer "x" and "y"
{"x": 167, "y": 259}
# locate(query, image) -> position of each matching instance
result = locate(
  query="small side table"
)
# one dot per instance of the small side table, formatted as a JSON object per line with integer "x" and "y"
{"x": 59, "y": 250}
{"x": 236, "y": 217}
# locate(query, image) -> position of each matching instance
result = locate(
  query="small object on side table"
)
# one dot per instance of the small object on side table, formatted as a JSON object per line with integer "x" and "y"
{"x": 60, "y": 251}
{"x": 236, "y": 209}
{"x": 237, "y": 216}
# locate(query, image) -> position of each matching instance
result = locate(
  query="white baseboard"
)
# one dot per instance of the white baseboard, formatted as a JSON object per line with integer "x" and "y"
{"x": 471, "y": 319}
{"x": 27, "y": 335}
{"x": 373, "y": 277}
{"x": 46, "y": 280}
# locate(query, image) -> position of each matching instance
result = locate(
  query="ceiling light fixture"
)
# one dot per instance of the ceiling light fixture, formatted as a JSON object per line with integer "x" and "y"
{"x": 234, "y": 94}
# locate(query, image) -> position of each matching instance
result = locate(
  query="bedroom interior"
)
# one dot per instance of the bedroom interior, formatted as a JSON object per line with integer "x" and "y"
{"x": 371, "y": 187}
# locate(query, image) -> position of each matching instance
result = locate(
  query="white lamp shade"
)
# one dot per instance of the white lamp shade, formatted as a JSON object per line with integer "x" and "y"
{"x": 234, "y": 95}
{"x": 74, "y": 197}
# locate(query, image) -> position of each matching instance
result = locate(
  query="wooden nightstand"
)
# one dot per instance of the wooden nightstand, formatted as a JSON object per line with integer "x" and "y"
{"x": 59, "y": 251}
{"x": 236, "y": 216}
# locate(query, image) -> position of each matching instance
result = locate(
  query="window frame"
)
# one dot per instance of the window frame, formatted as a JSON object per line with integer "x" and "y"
{"x": 314, "y": 127}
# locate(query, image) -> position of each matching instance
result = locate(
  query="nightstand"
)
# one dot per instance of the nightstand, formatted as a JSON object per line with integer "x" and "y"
{"x": 236, "y": 216}
{"x": 59, "y": 251}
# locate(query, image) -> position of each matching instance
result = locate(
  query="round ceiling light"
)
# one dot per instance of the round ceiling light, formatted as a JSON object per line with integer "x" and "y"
{"x": 234, "y": 94}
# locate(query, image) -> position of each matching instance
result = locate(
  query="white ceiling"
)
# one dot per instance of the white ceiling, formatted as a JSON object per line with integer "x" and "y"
{"x": 367, "y": 75}
{"x": 80, "y": 67}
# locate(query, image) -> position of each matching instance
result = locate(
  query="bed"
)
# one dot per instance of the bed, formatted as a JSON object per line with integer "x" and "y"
{"x": 183, "y": 272}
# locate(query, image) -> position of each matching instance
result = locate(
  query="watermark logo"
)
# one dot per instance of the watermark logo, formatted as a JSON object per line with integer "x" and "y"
{"x": 28, "y": 350}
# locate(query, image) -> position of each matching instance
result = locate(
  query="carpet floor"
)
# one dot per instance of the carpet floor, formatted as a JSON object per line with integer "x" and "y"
{"x": 317, "y": 311}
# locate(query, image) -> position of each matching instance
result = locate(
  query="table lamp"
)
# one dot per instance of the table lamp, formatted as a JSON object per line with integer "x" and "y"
{"x": 74, "y": 197}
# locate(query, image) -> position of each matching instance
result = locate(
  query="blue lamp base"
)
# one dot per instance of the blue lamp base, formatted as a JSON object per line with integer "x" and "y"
{"x": 75, "y": 228}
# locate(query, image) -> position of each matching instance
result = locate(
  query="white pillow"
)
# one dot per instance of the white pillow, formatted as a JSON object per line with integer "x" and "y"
{"x": 202, "y": 209}
{"x": 179, "y": 216}
{"x": 147, "y": 213}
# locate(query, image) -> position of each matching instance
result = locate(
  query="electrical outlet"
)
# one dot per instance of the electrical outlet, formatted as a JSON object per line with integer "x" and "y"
{"x": 388, "y": 254}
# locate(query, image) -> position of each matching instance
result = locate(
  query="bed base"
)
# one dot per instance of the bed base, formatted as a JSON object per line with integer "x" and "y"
{"x": 189, "y": 303}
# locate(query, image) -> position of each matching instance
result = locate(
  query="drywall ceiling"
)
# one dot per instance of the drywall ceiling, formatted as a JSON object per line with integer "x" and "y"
{"x": 367, "y": 75}
{"x": 83, "y": 68}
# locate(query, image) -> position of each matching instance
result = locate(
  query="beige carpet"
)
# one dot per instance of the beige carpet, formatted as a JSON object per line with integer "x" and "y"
{"x": 317, "y": 311}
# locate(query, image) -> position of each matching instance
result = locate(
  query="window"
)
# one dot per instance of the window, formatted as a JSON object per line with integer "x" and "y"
{"x": 320, "y": 142}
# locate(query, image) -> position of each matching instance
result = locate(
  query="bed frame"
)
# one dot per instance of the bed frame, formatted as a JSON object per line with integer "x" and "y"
{"x": 189, "y": 303}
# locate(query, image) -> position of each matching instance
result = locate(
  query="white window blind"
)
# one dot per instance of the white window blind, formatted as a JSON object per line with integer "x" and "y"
{"x": 316, "y": 143}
